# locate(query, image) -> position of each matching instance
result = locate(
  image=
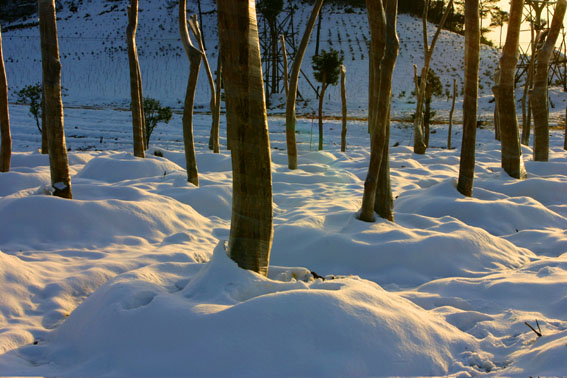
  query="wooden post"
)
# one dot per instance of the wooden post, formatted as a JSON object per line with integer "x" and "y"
{"x": 6, "y": 146}
{"x": 135, "y": 82}
{"x": 194, "y": 56}
{"x": 51, "y": 64}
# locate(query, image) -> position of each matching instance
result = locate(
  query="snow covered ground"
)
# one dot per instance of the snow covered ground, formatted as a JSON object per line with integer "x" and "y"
{"x": 130, "y": 277}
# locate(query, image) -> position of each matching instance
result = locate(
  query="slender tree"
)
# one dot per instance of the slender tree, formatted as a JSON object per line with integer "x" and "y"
{"x": 285, "y": 74}
{"x": 6, "y": 146}
{"x": 216, "y": 143}
{"x": 450, "y": 133}
{"x": 379, "y": 136}
{"x": 290, "y": 116}
{"x": 194, "y": 56}
{"x": 539, "y": 94}
{"x": 251, "y": 228}
{"x": 135, "y": 81}
{"x": 496, "y": 102}
{"x": 510, "y": 139}
{"x": 419, "y": 145}
{"x": 51, "y": 64}
{"x": 470, "y": 100}
{"x": 343, "y": 108}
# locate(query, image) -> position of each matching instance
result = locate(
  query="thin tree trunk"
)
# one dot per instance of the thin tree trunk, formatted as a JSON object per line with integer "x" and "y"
{"x": 201, "y": 25}
{"x": 496, "y": 106}
{"x": 216, "y": 114}
{"x": 251, "y": 229}
{"x": 51, "y": 64}
{"x": 380, "y": 134}
{"x": 344, "y": 108}
{"x": 135, "y": 84}
{"x": 526, "y": 106}
{"x": 377, "y": 25}
{"x": 419, "y": 145}
{"x": 290, "y": 116}
{"x": 510, "y": 139}
{"x": 196, "y": 30}
{"x": 145, "y": 133}
{"x": 194, "y": 56}
{"x": 6, "y": 146}
{"x": 451, "y": 114}
{"x": 384, "y": 201}
{"x": 284, "y": 53}
{"x": 470, "y": 100}
{"x": 321, "y": 98}
{"x": 539, "y": 94}
{"x": 274, "y": 43}
{"x": 318, "y": 33}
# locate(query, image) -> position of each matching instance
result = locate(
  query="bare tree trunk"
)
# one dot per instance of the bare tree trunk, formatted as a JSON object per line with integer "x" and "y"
{"x": 526, "y": 105}
{"x": 496, "y": 106}
{"x": 44, "y": 143}
{"x": 449, "y": 135}
{"x": 290, "y": 116}
{"x": 318, "y": 34}
{"x": 377, "y": 25}
{"x": 511, "y": 149}
{"x": 379, "y": 142}
{"x": 135, "y": 83}
{"x": 6, "y": 146}
{"x": 565, "y": 141}
{"x": 194, "y": 56}
{"x": 321, "y": 98}
{"x": 344, "y": 108}
{"x": 419, "y": 145}
{"x": 470, "y": 101}
{"x": 51, "y": 64}
{"x": 216, "y": 114}
{"x": 145, "y": 135}
{"x": 251, "y": 229}
{"x": 196, "y": 30}
{"x": 539, "y": 94}
{"x": 284, "y": 53}
{"x": 384, "y": 200}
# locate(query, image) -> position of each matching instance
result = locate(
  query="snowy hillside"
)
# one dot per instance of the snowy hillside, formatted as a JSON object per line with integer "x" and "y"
{"x": 95, "y": 62}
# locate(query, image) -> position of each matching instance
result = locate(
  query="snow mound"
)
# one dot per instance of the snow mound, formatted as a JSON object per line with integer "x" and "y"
{"x": 141, "y": 324}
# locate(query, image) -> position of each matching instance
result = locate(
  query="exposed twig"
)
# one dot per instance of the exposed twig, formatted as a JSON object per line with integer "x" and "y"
{"x": 538, "y": 333}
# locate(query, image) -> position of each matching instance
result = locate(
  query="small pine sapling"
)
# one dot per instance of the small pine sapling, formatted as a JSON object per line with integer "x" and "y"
{"x": 154, "y": 113}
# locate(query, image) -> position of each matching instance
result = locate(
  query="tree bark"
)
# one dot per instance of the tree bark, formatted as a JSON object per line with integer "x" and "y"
{"x": 512, "y": 161}
{"x": 343, "y": 108}
{"x": 6, "y": 146}
{"x": 290, "y": 116}
{"x": 384, "y": 201}
{"x": 379, "y": 141}
{"x": 216, "y": 114}
{"x": 449, "y": 136}
{"x": 377, "y": 25}
{"x": 194, "y": 56}
{"x": 526, "y": 106}
{"x": 470, "y": 100}
{"x": 51, "y": 64}
{"x": 284, "y": 53}
{"x": 44, "y": 143}
{"x": 135, "y": 82}
{"x": 251, "y": 229}
{"x": 539, "y": 94}
{"x": 496, "y": 104}
{"x": 419, "y": 145}
{"x": 321, "y": 98}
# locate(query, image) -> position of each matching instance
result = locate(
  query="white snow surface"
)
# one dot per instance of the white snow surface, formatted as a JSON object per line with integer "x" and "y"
{"x": 130, "y": 278}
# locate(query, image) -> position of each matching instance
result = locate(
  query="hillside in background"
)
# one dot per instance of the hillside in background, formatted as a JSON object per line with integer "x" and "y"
{"x": 95, "y": 62}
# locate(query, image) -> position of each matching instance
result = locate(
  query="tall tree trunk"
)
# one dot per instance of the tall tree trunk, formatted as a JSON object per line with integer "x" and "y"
{"x": 379, "y": 141}
{"x": 51, "y": 64}
{"x": 284, "y": 53}
{"x": 6, "y": 146}
{"x": 216, "y": 114}
{"x": 145, "y": 133}
{"x": 419, "y": 145}
{"x": 377, "y": 26}
{"x": 343, "y": 108}
{"x": 194, "y": 56}
{"x": 539, "y": 95}
{"x": 196, "y": 30}
{"x": 321, "y": 98}
{"x": 384, "y": 201}
{"x": 201, "y": 24}
{"x": 496, "y": 106}
{"x": 470, "y": 100}
{"x": 135, "y": 83}
{"x": 251, "y": 229}
{"x": 450, "y": 133}
{"x": 526, "y": 106}
{"x": 44, "y": 143}
{"x": 290, "y": 116}
{"x": 511, "y": 149}
{"x": 274, "y": 43}
{"x": 318, "y": 33}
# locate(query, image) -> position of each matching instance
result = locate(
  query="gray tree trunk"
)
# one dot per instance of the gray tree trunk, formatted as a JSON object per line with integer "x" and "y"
{"x": 194, "y": 56}
{"x": 450, "y": 133}
{"x": 343, "y": 108}
{"x": 539, "y": 94}
{"x": 51, "y": 64}
{"x": 321, "y": 98}
{"x": 6, "y": 146}
{"x": 251, "y": 229}
{"x": 135, "y": 82}
{"x": 379, "y": 141}
{"x": 512, "y": 161}
{"x": 470, "y": 100}
{"x": 216, "y": 114}
{"x": 290, "y": 116}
